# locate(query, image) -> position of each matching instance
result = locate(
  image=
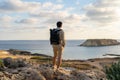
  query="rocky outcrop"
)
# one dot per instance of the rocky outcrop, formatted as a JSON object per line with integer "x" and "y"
{"x": 18, "y": 52}
{"x": 21, "y": 74}
{"x": 14, "y": 63}
{"x": 100, "y": 42}
{"x": 45, "y": 72}
{"x": 62, "y": 74}
{"x": 28, "y": 74}
{"x": 21, "y": 52}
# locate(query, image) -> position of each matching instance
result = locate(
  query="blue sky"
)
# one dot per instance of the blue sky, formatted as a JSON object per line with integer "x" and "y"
{"x": 82, "y": 19}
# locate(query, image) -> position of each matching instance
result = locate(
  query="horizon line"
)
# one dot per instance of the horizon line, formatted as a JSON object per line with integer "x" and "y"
{"x": 48, "y": 39}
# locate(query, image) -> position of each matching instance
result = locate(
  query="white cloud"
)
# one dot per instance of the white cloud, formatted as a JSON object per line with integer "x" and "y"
{"x": 27, "y": 21}
{"x": 36, "y": 17}
{"x": 51, "y": 6}
{"x": 21, "y": 6}
{"x": 5, "y": 19}
{"x": 104, "y": 12}
{"x": 18, "y": 6}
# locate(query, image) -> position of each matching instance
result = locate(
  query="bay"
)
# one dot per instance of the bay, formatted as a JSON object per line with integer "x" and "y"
{"x": 72, "y": 49}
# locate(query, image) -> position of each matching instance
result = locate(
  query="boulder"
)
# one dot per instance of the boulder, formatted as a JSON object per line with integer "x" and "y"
{"x": 100, "y": 42}
{"x": 62, "y": 74}
{"x": 95, "y": 74}
{"x": 28, "y": 74}
{"x": 79, "y": 75}
{"x": 14, "y": 63}
{"x": 7, "y": 61}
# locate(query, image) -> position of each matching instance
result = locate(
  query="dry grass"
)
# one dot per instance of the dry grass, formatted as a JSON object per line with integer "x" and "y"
{"x": 79, "y": 65}
{"x": 4, "y": 54}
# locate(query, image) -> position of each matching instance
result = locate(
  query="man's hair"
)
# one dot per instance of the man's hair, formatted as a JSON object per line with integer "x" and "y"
{"x": 59, "y": 24}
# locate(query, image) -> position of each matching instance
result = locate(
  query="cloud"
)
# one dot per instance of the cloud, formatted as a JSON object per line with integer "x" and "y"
{"x": 27, "y": 21}
{"x": 71, "y": 20}
{"x": 104, "y": 12}
{"x": 51, "y": 6}
{"x": 28, "y": 17}
{"x": 22, "y": 6}
{"x": 18, "y": 6}
{"x": 5, "y": 19}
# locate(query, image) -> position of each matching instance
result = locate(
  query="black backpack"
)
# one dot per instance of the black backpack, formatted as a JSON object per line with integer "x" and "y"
{"x": 55, "y": 36}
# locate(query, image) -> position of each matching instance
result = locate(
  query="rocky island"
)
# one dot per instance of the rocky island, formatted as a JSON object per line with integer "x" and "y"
{"x": 100, "y": 42}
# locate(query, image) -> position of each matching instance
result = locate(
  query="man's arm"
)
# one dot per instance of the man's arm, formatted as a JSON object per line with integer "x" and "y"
{"x": 62, "y": 38}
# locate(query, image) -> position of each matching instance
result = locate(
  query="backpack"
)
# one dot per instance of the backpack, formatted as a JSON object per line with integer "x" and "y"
{"x": 55, "y": 36}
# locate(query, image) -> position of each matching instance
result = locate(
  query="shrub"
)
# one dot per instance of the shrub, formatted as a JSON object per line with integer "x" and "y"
{"x": 1, "y": 64}
{"x": 113, "y": 72}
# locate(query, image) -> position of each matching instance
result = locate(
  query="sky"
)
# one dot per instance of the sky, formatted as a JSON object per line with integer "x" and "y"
{"x": 82, "y": 19}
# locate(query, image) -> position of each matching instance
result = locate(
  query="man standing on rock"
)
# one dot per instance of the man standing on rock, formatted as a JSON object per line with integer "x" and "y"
{"x": 57, "y": 41}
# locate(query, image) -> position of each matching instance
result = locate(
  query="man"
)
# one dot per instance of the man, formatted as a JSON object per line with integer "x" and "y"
{"x": 58, "y": 44}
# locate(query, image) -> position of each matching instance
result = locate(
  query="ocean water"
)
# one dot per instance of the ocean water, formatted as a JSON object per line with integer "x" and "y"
{"x": 71, "y": 51}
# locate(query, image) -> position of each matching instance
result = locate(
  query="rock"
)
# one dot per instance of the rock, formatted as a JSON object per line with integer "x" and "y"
{"x": 95, "y": 74}
{"x": 47, "y": 72}
{"x": 43, "y": 55}
{"x": 15, "y": 71}
{"x": 4, "y": 78}
{"x": 20, "y": 52}
{"x": 20, "y": 62}
{"x": 1, "y": 74}
{"x": 100, "y": 42}
{"x": 7, "y": 61}
{"x": 28, "y": 74}
{"x": 62, "y": 74}
{"x": 7, "y": 74}
{"x": 79, "y": 75}
{"x": 14, "y": 63}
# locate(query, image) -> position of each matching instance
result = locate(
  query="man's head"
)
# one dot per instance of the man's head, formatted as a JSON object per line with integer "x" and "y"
{"x": 59, "y": 24}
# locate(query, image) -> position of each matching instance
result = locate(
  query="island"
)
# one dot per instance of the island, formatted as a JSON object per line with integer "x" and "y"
{"x": 99, "y": 42}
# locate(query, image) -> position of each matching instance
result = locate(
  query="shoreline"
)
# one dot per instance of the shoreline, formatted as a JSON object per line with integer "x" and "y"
{"x": 7, "y": 53}
{"x": 16, "y": 52}
{"x": 70, "y": 62}
{"x": 90, "y": 68}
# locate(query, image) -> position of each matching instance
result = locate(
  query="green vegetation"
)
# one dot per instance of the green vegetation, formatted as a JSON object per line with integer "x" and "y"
{"x": 41, "y": 58}
{"x": 1, "y": 63}
{"x": 113, "y": 72}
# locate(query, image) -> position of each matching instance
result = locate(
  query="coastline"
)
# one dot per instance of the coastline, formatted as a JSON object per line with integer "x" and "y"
{"x": 90, "y": 68}
{"x": 43, "y": 47}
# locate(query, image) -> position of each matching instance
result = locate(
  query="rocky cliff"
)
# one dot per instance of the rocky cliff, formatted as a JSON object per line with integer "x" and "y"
{"x": 100, "y": 42}
{"x": 18, "y": 69}
{"x": 38, "y": 68}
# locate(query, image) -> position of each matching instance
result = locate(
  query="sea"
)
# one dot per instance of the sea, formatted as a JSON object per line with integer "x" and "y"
{"x": 72, "y": 49}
